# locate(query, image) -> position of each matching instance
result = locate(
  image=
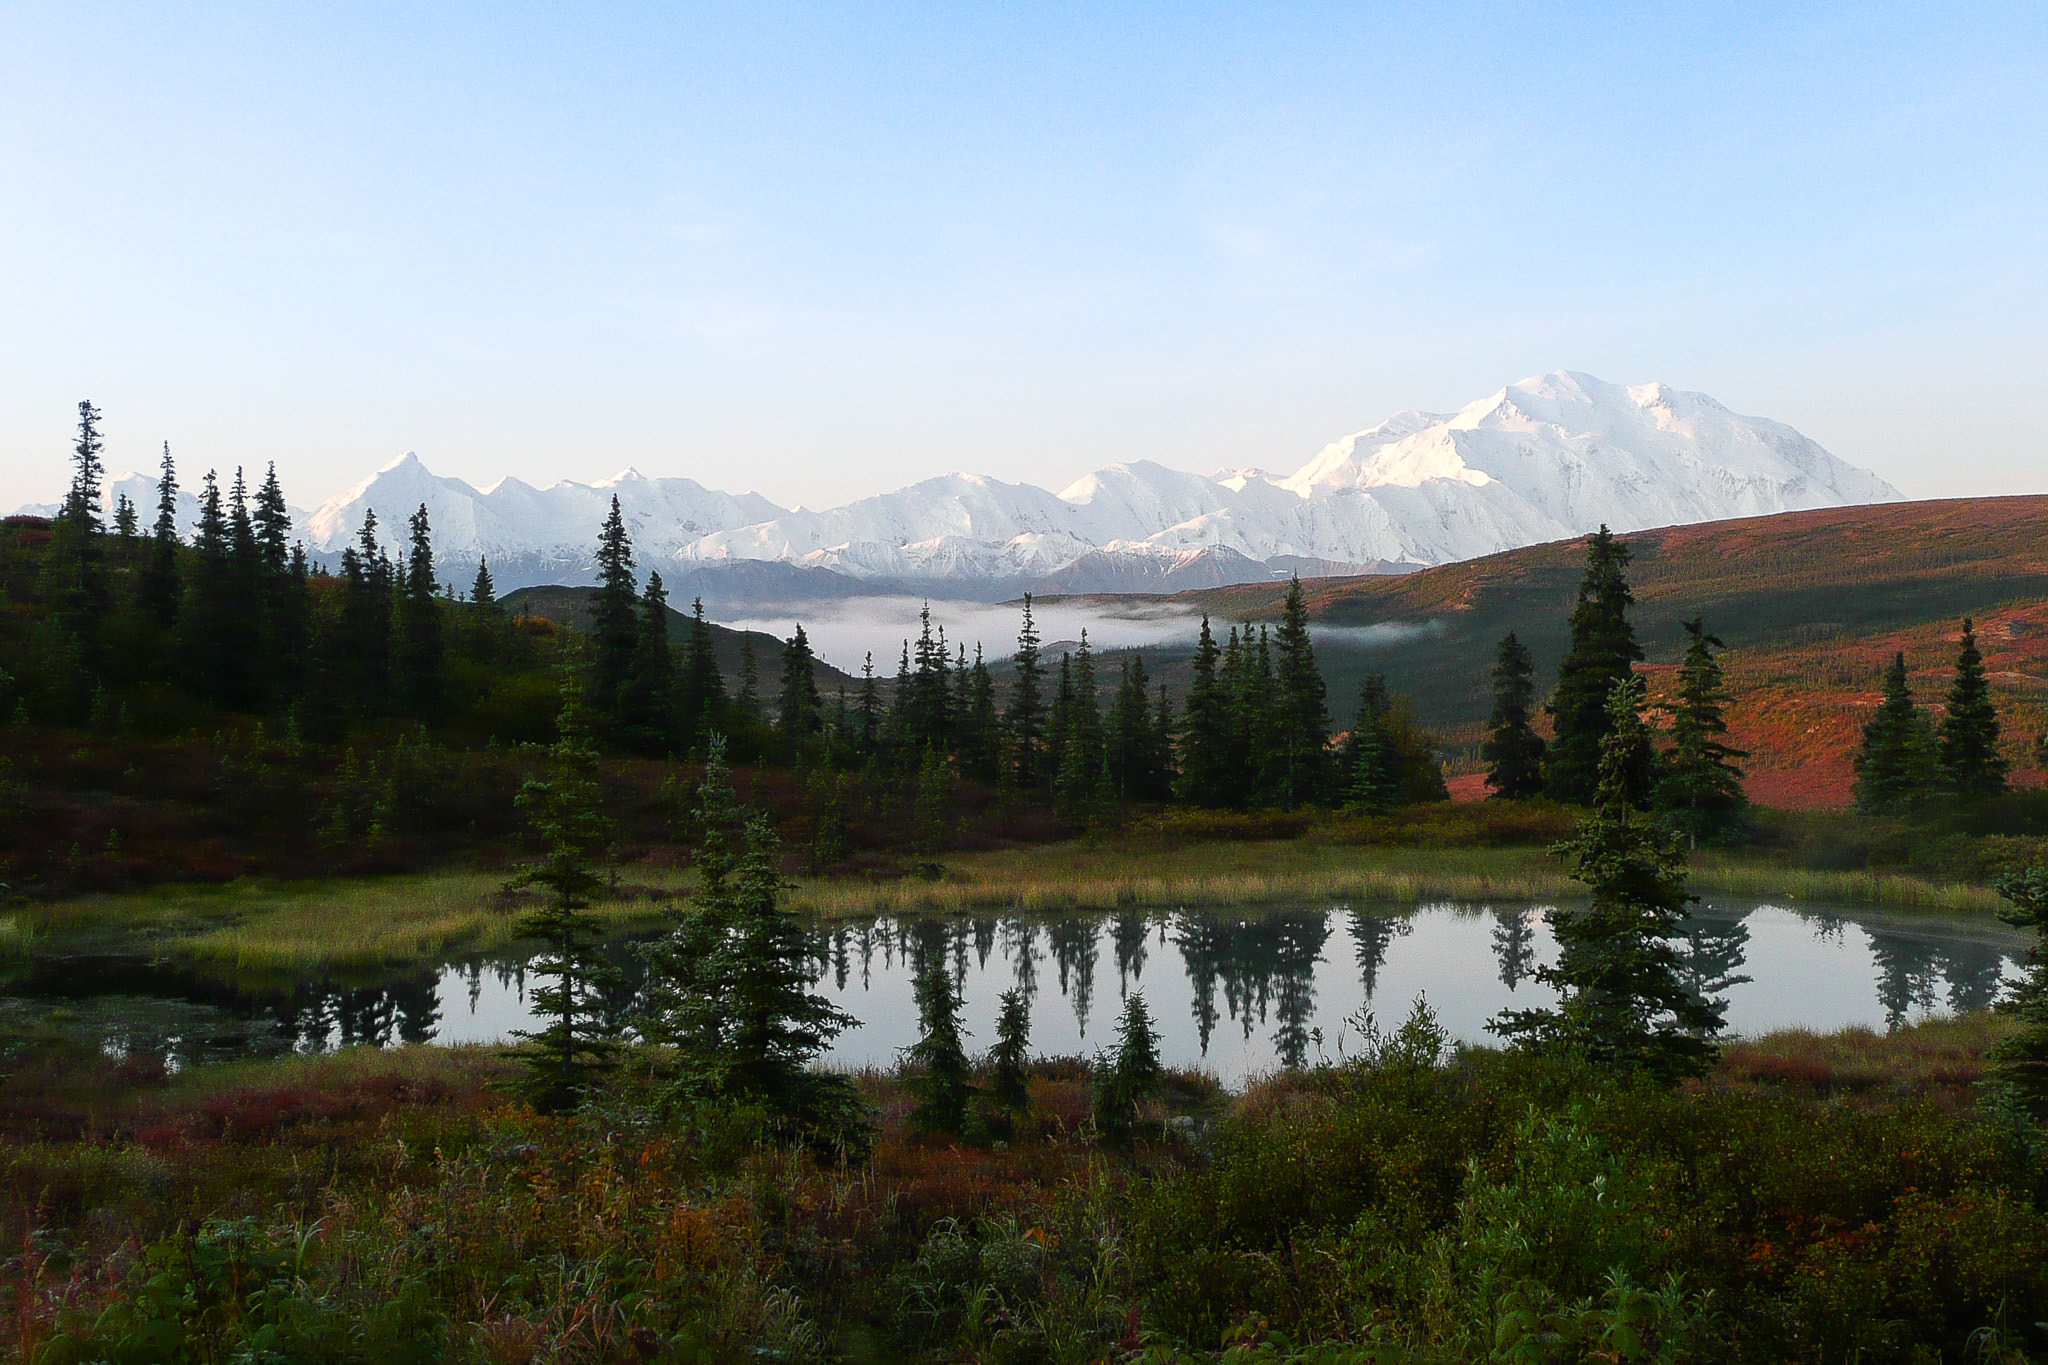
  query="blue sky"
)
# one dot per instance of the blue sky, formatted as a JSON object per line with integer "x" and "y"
{"x": 820, "y": 251}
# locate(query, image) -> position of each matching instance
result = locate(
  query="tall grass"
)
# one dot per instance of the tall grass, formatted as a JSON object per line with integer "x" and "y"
{"x": 269, "y": 927}
{"x": 1729, "y": 875}
{"x": 1089, "y": 877}
{"x": 17, "y": 937}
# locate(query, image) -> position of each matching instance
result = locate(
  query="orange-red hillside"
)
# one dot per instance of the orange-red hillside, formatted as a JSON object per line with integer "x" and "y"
{"x": 1811, "y": 605}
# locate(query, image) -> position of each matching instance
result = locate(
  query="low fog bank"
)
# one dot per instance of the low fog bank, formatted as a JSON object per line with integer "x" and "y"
{"x": 842, "y": 632}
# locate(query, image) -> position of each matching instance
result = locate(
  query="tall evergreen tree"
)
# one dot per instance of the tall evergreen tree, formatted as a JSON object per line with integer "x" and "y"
{"x": 1206, "y": 770}
{"x": 2020, "y": 1060}
{"x": 942, "y": 1080}
{"x": 1136, "y": 762}
{"x": 419, "y": 654}
{"x": 981, "y": 725}
{"x": 648, "y": 708}
{"x": 1059, "y": 724}
{"x": 1513, "y": 750}
{"x": 482, "y": 591}
{"x": 1026, "y": 718}
{"x": 81, "y": 505}
{"x": 799, "y": 711}
{"x": 1078, "y": 784}
{"x": 160, "y": 587}
{"x": 365, "y": 627}
{"x": 1602, "y": 652}
{"x": 926, "y": 708}
{"x": 1302, "y": 724}
{"x": 701, "y": 689}
{"x": 77, "y": 554}
{"x": 1373, "y": 772}
{"x": 1971, "y": 765}
{"x": 286, "y": 612}
{"x": 1621, "y": 999}
{"x": 1894, "y": 768}
{"x": 569, "y": 1054}
{"x": 1702, "y": 787}
{"x": 744, "y": 716}
{"x": 869, "y": 718}
{"x": 614, "y": 613}
{"x": 484, "y": 632}
{"x": 207, "y": 618}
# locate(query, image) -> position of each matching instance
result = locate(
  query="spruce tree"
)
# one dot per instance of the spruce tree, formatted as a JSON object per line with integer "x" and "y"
{"x": 1302, "y": 724}
{"x": 679, "y": 1007}
{"x": 578, "y": 1043}
{"x": 648, "y": 708}
{"x": 1602, "y": 652}
{"x": 1077, "y": 785}
{"x": 286, "y": 624}
{"x": 1970, "y": 764}
{"x": 1513, "y": 750}
{"x": 614, "y": 613}
{"x": 1165, "y": 732}
{"x": 1621, "y": 999}
{"x": 160, "y": 587}
{"x": 1894, "y": 768}
{"x": 1009, "y": 1078}
{"x": 81, "y": 505}
{"x": 799, "y": 711}
{"x": 1026, "y": 718}
{"x": 365, "y": 626}
{"x": 926, "y": 708}
{"x": 981, "y": 725}
{"x": 1137, "y": 766}
{"x": 483, "y": 593}
{"x": 1129, "y": 1076}
{"x": 700, "y": 688}
{"x": 124, "y": 518}
{"x": 418, "y": 655}
{"x": 774, "y": 1026}
{"x": 1701, "y": 789}
{"x": 1206, "y": 771}
{"x": 744, "y": 718}
{"x": 77, "y": 553}
{"x": 1373, "y": 770}
{"x": 942, "y": 1080}
{"x": 2019, "y": 1061}
{"x": 869, "y": 717}
{"x": 207, "y": 617}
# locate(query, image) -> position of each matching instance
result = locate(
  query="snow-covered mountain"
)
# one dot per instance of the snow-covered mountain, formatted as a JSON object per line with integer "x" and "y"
{"x": 1551, "y": 457}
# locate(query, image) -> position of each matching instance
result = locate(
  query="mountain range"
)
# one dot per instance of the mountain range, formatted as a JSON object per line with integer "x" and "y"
{"x": 1544, "y": 459}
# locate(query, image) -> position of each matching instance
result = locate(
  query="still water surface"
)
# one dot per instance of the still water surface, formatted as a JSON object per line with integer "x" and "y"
{"x": 1235, "y": 992}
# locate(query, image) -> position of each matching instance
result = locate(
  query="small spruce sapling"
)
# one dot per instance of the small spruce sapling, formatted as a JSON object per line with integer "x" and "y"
{"x": 1129, "y": 1077}
{"x": 942, "y": 1081}
{"x": 1009, "y": 1080}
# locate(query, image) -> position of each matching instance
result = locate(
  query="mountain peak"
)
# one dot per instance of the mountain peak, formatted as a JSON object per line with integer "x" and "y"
{"x": 1548, "y": 457}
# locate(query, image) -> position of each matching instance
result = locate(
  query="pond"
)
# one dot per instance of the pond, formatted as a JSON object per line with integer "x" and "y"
{"x": 1237, "y": 992}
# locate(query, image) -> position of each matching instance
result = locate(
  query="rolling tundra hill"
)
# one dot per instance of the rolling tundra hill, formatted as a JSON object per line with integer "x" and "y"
{"x": 1811, "y": 604}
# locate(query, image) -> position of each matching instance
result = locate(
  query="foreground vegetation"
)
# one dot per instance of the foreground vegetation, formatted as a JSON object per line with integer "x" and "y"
{"x": 1817, "y": 1198}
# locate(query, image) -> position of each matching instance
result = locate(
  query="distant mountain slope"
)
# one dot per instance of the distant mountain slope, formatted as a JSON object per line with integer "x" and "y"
{"x": 1811, "y": 605}
{"x": 1549, "y": 457}
{"x": 571, "y": 607}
